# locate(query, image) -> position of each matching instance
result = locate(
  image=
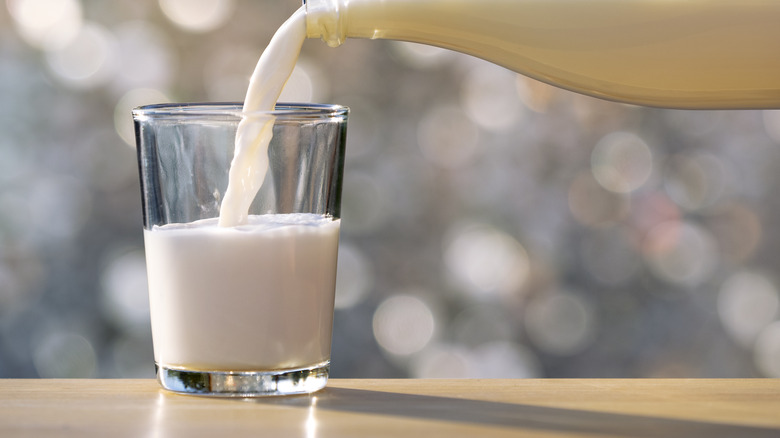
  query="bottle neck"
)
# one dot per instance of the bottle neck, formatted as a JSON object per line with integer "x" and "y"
{"x": 325, "y": 19}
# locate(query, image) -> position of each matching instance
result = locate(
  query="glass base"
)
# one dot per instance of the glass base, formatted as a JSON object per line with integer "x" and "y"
{"x": 244, "y": 383}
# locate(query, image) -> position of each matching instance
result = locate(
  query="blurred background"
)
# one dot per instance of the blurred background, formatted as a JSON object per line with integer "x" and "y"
{"x": 493, "y": 226}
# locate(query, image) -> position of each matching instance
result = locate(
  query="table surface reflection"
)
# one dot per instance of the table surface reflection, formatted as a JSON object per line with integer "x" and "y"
{"x": 401, "y": 407}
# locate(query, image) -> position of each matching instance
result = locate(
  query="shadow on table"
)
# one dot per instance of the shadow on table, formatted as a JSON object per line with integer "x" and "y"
{"x": 517, "y": 416}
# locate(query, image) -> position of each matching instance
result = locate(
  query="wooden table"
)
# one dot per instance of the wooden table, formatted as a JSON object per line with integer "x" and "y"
{"x": 400, "y": 408}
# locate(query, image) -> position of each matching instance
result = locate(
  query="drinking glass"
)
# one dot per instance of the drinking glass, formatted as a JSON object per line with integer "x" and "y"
{"x": 244, "y": 310}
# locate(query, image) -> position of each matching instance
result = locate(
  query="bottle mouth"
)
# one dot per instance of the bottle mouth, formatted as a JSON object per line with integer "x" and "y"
{"x": 324, "y": 20}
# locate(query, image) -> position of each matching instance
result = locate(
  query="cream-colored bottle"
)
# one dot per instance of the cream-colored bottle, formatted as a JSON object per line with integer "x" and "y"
{"x": 707, "y": 54}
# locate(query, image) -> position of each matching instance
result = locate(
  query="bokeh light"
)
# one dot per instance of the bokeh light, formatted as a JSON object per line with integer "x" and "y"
{"x": 198, "y": 15}
{"x": 504, "y": 360}
{"x": 306, "y": 84}
{"x": 46, "y": 24}
{"x": 561, "y": 323}
{"x": 299, "y": 88}
{"x": 772, "y": 124}
{"x": 125, "y": 297}
{"x": 403, "y": 325}
{"x": 747, "y": 303}
{"x": 621, "y": 162}
{"x": 355, "y": 277}
{"x": 61, "y": 354}
{"x": 649, "y": 210}
{"x": 680, "y": 252}
{"x": 88, "y": 60}
{"x": 767, "y": 350}
{"x": 147, "y": 59}
{"x": 227, "y": 70}
{"x": 695, "y": 181}
{"x": 537, "y": 96}
{"x": 444, "y": 361}
{"x": 737, "y": 229}
{"x": 487, "y": 98}
{"x": 486, "y": 262}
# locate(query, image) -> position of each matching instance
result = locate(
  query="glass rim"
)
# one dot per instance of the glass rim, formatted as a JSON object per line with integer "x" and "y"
{"x": 235, "y": 109}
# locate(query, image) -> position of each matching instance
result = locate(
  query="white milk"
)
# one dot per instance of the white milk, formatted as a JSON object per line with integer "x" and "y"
{"x": 246, "y": 293}
{"x": 254, "y": 297}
